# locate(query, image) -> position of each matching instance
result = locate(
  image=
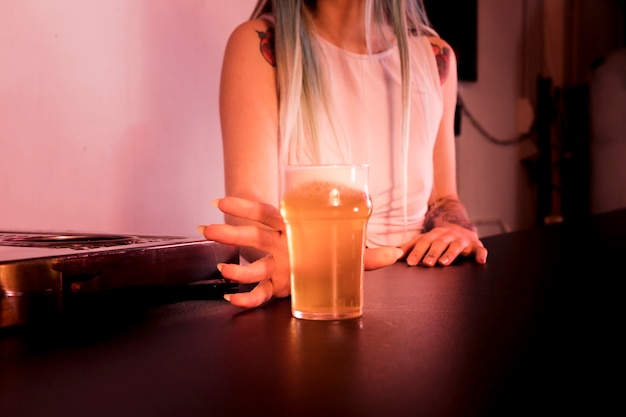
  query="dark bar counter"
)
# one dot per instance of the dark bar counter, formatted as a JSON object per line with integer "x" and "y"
{"x": 536, "y": 331}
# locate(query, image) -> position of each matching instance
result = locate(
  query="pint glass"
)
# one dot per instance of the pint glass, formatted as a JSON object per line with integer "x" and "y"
{"x": 326, "y": 209}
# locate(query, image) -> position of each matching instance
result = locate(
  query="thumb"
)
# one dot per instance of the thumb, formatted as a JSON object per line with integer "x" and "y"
{"x": 379, "y": 257}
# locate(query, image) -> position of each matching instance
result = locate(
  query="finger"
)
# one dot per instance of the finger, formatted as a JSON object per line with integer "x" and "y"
{"x": 257, "y": 271}
{"x": 427, "y": 249}
{"x": 250, "y": 236}
{"x": 472, "y": 248}
{"x": 435, "y": 251}
{"x": 418, "y": 251}
{"x": 481, "y": 254}
{"x": 259, "y": 295}
{"x": 265, "y": 214}
{"x": 375, "y": 258}
{"x": 458, "y": 248}
{"x": 452, "y": 252}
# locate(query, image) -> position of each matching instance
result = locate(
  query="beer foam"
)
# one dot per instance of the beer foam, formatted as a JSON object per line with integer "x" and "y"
{"x": 349, "y": 175}
{"x": 324, "y": 191}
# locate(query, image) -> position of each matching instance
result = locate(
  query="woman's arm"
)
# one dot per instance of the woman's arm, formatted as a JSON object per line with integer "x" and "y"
{"x": 447, "y": 231}
{"x": 249, "y": 116}
{"x": 249, "y": 121}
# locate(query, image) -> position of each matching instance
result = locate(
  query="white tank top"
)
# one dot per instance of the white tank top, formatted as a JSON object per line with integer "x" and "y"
{"x": 366, "y": 98}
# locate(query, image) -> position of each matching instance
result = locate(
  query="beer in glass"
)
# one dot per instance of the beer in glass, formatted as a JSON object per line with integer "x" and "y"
{"x": 326, "y": 209}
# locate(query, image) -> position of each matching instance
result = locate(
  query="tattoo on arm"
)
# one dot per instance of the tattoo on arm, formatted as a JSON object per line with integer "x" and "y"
{"x": 447, "y": 210}
{"x": 267, "y": 46}
{"x": 442, "y": 55}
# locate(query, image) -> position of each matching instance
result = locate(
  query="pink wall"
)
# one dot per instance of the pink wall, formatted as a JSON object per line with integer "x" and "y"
{"x": 108, "y": 113}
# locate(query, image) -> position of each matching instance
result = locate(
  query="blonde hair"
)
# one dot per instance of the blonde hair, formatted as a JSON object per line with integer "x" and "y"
{"x": 301, "y": 88}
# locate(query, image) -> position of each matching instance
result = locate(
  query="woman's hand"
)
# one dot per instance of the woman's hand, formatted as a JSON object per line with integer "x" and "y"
{"x": 443, "y": 244}
{"x": 266, "y": 233}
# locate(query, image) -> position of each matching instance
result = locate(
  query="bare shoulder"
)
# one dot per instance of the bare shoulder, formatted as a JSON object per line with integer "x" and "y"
{"x": 253, "y": 39}
{"x": 439, "y": 42}
{"x": 444, "y": 55}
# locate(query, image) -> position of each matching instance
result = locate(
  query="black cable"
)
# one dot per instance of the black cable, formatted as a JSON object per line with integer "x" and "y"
{"x": 491, "y": 138}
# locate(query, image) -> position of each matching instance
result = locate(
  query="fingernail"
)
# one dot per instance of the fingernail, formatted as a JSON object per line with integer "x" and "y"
{"x": 227, "y": 297}
{"x": 216, "y": 202}
{"x": 429, "y": 261}
{"x": 444, "y": 260}
{"x": 220, "y": 266}
{"x": 397, "y": 253}
{"x": 200, "y": 229}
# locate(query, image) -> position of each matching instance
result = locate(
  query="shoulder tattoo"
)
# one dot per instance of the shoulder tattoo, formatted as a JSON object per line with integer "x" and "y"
{"x": 442, "y": 55}
{"x": 267, "y": 45}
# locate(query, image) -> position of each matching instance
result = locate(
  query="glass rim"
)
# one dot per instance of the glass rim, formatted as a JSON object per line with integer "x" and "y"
{"x": 322, "y": 166}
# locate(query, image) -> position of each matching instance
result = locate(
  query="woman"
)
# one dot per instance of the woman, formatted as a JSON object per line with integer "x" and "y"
{"x": 332, "y": 81}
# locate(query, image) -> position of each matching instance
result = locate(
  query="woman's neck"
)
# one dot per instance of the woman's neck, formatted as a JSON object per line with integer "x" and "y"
{"x": 342, "y": 23}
